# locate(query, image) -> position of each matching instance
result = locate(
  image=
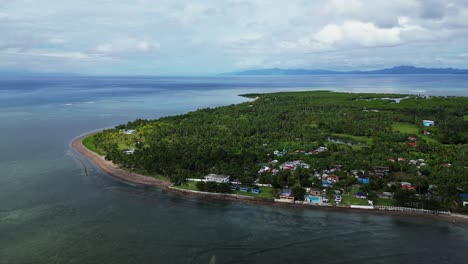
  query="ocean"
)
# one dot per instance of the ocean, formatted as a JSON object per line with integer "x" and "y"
{"x": 53, "y": 212}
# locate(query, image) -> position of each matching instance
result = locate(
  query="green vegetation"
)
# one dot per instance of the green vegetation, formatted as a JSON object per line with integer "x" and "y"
{"x": 89, "y": 142}
{"x": 357, "y": 131}
{"x": 405, "y": 128}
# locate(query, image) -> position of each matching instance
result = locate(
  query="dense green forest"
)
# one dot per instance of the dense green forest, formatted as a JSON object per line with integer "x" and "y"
{"x": 357, "y": 131}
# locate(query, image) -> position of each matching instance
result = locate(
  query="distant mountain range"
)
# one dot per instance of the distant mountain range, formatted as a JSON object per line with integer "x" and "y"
{"x": 394, "y": 70}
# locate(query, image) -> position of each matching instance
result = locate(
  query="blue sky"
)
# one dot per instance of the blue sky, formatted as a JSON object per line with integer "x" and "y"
{"x": 163, "y": 37}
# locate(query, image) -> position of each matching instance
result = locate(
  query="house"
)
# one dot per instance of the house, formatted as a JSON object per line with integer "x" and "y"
{"x": 363, "y": 179}
{"x": 381, "y": 171}
{"x": 428, "y": 123}
{"x": 401, "y": 159}
{"x": 325, "y": 183}
{"x": 129, "y": 151}
{"x": 217, "y": 178}
{"x": 286, "y": 194}
{"x": 413, "y": 144}
{"x": 385, "y": 195}
{"x": 315, "y": 191}
{"x": 390, "y": 159}
{"x": 128, "y": 131}
{"x": 464, "y": 197}
{"x": 244, "y": 189}
{"x": 280, "y": 153}
{"x": 256, "y": 190}
{"x": 407, "y": 186}
{"x": 234, "y": 187}
{"x": 412, "y": 138}
{"x": 361, "y": 195}
{"x": 332, "y": 178}
{"x": 337, "y": 198}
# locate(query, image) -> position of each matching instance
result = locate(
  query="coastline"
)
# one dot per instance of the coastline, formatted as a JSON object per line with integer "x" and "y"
{"x": 115, "y": 172}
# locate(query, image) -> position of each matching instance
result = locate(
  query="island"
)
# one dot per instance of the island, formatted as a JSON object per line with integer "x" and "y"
{"x": 316, "y": 148}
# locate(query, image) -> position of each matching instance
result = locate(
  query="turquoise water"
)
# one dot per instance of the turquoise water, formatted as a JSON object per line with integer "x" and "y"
{"x": 52, "y": 212}
{"x": 314, "y": 199}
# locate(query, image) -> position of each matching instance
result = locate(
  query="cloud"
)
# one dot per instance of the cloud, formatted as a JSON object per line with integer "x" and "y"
{"x": 357, "y": 34}
{"x": 127, "y": 45}
{"x": 207, "y": 36}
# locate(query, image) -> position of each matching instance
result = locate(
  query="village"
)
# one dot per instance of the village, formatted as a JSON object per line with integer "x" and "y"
{"x": 325, "y": 187}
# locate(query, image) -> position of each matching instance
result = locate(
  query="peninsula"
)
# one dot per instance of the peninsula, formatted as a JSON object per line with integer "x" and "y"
{"x": 372, "y": 151}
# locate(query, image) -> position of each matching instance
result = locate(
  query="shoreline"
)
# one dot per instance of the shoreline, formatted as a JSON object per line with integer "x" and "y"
{"x": 109, "y": 168}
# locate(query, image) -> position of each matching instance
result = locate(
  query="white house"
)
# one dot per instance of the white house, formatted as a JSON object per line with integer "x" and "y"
{"x": 428, "y": 123}
{"x": 130, "y": 151}
{"x": 217, "y": 178}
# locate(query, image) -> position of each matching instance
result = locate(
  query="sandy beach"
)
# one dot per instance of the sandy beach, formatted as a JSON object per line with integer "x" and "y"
{"x": 114, "y": 171}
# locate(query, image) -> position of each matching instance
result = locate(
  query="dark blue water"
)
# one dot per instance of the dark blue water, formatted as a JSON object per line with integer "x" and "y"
{"x": 51, "y": 212}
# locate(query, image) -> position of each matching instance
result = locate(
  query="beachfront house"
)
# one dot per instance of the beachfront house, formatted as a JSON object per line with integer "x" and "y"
{"x": 428, "y": 123}
{"x": 286, "y": 194}
{"x": 217, "y": 178}
{"x": 464, "y": 197}
{"x": 256, "y": 190}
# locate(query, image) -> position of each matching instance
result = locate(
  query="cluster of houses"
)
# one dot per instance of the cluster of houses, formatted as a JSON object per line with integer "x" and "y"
{"x": 317, "y": 151}
{"x": 292, "y": 165}
{"x": 282, "y": 153}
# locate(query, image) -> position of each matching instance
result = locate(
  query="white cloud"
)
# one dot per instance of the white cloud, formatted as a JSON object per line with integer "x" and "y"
{"x": 358, "y": 33}
{"x": 127, "y": 45}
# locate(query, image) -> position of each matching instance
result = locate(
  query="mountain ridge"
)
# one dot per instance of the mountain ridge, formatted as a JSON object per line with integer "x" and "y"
{"x": 394, "y": 70}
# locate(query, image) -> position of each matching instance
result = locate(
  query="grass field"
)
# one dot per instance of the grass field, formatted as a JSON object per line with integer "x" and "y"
{"x": 89, "y": 143}
{"x": 357, "y": 139}
{"x": 266, "y": 191}
{"x": 465, "y": 118}
{"x": 405, "y": 128}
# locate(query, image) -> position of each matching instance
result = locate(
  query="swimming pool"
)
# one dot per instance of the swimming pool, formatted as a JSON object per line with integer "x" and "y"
{"x": 313, "y": 199}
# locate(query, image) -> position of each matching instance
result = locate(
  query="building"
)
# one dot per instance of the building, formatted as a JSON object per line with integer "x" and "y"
{"x": 361, "y": 195}
{"x": 315, "y": 191}
{"x": 363, "y": 179}
{"x": 286, "y": 194}
{"x": 381, "y": 171}
{"x": 332, "y": 178}
{"x": 217, "y": 178}
{"x": 464, "y": 197}
{"x": 129, "y": 151}
{"x": 428, "y": 123}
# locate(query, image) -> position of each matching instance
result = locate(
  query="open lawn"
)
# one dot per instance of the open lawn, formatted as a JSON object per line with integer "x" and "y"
{"x": 266, "y": 191}
{"x": 405, "y": 128}
{"x": 384, "y": 202}
{"x": 465, "y": 118}
{"x": 348, "y": 199}
{"x": 89, "y": 143}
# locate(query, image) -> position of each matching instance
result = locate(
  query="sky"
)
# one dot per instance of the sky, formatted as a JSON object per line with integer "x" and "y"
{"x": 198, "y": 37}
